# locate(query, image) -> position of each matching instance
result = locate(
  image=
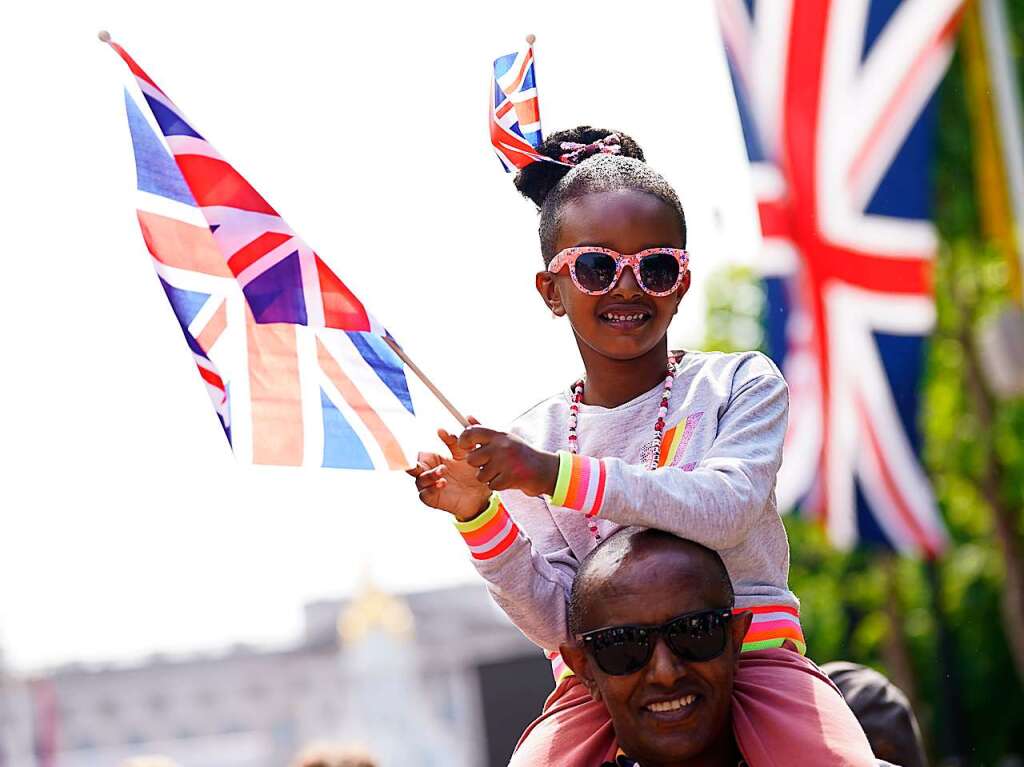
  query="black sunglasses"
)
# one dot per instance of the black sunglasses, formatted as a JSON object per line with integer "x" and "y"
{"x": 695, "y": 637}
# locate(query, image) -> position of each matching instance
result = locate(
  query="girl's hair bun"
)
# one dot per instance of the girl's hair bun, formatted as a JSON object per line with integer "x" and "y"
{"x": 537, "y": 179}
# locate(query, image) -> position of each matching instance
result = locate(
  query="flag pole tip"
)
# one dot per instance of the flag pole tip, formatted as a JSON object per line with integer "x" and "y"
{"x": 531, "y": 39}
{"x": 103, "y": 35}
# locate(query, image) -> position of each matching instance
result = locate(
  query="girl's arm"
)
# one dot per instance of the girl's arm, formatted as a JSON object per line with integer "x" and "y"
{"x": 713, "y": 504}
{"x": 532, "y": 588}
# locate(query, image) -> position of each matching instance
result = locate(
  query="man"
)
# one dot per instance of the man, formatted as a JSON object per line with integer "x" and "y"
{"x": 668, "y": 690}
{"x": 657, "y": 641}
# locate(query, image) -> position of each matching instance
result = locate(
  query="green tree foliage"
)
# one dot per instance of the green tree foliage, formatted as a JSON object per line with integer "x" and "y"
{"x": 965, "y": 446}
{"x": 855, "y": 603}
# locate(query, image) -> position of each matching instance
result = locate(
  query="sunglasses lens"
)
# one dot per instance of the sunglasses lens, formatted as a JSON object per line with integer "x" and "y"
{"x": 621, "y": 651}
{"x": 659, "y": 272}
{"x": 698, "y": 637}
{"x": 595, "y": 271}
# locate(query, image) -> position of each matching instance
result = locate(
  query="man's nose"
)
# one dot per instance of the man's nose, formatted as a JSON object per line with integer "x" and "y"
{"x": 665, "y": 667}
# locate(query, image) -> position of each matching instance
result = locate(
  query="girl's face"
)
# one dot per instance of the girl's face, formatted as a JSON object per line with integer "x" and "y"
{"x": 627, "y": 221}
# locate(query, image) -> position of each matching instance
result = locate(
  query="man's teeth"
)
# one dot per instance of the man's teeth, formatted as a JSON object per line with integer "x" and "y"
{"x": 623, "y": 317}
{"x": 672, "y": 705}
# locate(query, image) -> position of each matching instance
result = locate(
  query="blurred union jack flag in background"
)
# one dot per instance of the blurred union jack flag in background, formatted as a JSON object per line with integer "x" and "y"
{"x": 515, "y": 113}
{"x": 837, "y": 104}
{"x": 298, "y": 371}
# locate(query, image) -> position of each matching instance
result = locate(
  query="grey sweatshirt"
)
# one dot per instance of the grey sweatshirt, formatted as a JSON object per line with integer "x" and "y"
{"x": 722, "y": 450}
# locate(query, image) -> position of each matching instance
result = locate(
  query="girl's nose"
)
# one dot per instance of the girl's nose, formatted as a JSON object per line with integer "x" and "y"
{"x": 627, "y": 285}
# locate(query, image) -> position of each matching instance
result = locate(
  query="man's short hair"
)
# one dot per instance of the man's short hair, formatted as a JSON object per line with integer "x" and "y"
{"x": 626, "y": 540}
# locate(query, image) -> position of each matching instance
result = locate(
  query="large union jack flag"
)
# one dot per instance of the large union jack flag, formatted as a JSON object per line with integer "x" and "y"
{"x": 837, "y": 103}
{"x": 515, "y": 111}
{"x": 298, "y": 371}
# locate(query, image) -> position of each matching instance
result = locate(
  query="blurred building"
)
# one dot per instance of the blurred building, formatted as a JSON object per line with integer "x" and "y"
{"x": 434, "y": 678}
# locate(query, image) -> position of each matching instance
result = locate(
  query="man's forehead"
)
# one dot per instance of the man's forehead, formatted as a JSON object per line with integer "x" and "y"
{"x": 650, "y": 586}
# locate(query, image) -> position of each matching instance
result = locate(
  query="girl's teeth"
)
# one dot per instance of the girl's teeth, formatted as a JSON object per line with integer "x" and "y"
{"x": 673, "y": 705}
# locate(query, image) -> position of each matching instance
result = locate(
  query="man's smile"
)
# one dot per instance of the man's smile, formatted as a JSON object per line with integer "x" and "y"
{"x": 673, "y": 710}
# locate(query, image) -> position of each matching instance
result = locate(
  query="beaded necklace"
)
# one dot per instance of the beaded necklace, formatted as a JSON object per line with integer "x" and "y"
{"x": 659, "y": 427}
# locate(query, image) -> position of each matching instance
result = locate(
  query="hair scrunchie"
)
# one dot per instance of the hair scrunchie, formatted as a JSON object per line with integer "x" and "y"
{"x": 575, "y": 153}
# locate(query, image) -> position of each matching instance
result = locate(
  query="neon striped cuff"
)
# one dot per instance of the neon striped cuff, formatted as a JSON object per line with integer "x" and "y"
{"x": 772, "y": 626}
{"x": 491, "y": 533}
{"x": 580, "y": 484}
{"x": 559, "y": 668}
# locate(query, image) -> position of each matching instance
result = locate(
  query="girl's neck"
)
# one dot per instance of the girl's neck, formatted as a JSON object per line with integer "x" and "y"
{"x": 611, "y": 382}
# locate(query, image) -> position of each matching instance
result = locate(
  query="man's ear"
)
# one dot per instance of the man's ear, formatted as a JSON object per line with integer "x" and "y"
{"x": 576, "y": 659}
{"x": 739, "y": 626}
{"x": 546, "y": 286}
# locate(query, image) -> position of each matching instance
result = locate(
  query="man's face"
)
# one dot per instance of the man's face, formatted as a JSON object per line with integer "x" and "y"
{"x": 671, "y": 710}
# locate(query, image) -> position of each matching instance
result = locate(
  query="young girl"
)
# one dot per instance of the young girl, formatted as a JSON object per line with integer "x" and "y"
{"x": 688, "y": 443}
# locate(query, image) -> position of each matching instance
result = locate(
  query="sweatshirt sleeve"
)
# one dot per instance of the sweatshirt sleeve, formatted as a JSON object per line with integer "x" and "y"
{"x": 716, "y": 502}
{"x": 531, "y": 588}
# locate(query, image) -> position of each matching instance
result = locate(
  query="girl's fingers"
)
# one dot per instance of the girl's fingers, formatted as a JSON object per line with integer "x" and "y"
{"x": 429, "y": 459}
{"x": 472, "y": 420}
{"x": 479, "y": 457}
{"x": 431, "y": 475}
{"x": 418, "y": 470}
{"x": 476, "y": 435}
{"x": 452, "y": 443}
{"x": 431, "y": 494}
{"x": 487, "y": 474}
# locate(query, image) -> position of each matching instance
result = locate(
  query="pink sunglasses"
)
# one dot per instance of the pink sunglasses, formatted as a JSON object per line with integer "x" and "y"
{"x": 595, "y": 271}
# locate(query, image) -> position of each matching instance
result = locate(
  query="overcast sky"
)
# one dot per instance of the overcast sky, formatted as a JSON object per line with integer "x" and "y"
{"x": 126, "y": 527}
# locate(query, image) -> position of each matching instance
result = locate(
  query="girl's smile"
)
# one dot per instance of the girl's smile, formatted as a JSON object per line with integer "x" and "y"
{"x": 626, "y": 317}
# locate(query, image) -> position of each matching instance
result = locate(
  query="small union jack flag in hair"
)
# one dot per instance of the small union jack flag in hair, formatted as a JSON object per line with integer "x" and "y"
{"x": 515, "y": 114}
